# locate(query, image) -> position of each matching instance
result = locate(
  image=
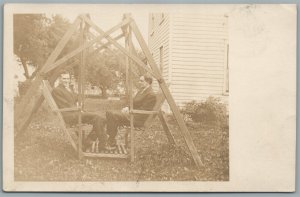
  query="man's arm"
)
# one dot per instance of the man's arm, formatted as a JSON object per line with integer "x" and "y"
{"x": 138, "y": 100}
{"x": 60, "y": 99}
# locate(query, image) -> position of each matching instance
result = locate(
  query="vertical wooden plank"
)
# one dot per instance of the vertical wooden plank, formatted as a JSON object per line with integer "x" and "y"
{"x": 169, "y": 98}
{"x": 129, "y": 63}
{"x": 126, "y": 77}
{"x": 127, "y": 66}
{"x": 166, "y": 128}
{"x": 32, "y": 100}
{"x": 134, "y": 52}
{"x": 81, "y": 89}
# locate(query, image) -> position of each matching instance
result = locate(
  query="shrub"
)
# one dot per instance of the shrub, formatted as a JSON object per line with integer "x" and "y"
{"x": 211, "y": 110}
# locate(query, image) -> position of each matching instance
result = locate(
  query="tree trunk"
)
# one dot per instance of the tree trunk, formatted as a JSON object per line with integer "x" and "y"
{"x": 24, "y": 64}
{"x": 34, "y": 73}
{"x": 103, "y": 92}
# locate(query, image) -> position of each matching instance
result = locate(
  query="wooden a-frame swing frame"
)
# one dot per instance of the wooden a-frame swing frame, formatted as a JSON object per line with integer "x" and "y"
{"x": 53, "y": 66}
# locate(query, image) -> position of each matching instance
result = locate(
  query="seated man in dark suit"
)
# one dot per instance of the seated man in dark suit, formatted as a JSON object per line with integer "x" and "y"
{"x": 66, "y": 98}
{"x": 144, "y": 100}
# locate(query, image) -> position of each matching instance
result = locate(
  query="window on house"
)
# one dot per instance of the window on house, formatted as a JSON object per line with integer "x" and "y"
{"x": 226, "y": 72}
{"x": 161, "y": 59}
{"x": 152, "y": 20}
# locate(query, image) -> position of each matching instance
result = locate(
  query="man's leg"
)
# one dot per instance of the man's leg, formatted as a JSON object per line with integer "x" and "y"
{"x": 114, "y": 120}
{"x": 98, "y": 128}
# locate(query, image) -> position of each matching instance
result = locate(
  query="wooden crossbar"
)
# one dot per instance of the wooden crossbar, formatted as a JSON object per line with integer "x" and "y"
{"x": 135, "y": 111}
{"x": 51, "y": 102}
{"x": 106, "y": 155}
{"x": 68, "y": 109}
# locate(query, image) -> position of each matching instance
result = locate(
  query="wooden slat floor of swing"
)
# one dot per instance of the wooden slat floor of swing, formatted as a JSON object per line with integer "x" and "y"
{"x": 120, "y": 152}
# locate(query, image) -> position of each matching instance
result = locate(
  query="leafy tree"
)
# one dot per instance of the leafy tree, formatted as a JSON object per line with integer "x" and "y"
{"x": 29, "y": 39}
{"x": 35, "y": 37}
{"x": 103, "y": 71}
{"x": 106, "y": 70}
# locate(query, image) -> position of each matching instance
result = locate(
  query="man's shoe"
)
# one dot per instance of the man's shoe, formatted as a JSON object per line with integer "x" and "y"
{"x": 110, "y": 148}
{"x": 112, "y": 142}
{"x": 86, "y": 146}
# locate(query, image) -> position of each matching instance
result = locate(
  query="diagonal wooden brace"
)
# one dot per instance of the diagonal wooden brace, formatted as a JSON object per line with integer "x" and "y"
{"x": 83, "y": 47}
{"x": 169, "y": 98}
{"x": 121, "y": 48}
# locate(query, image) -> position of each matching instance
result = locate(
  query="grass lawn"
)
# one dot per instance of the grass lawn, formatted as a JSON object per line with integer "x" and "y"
{"x": 44, "y": 154}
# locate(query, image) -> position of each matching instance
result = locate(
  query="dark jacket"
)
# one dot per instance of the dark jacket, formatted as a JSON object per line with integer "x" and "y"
{"x": 143, "y": 100}
{"x": 65, "y": 99}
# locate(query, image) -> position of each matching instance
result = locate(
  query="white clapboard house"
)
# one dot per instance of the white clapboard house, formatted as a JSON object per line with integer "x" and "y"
{"x": 192, "y": 52}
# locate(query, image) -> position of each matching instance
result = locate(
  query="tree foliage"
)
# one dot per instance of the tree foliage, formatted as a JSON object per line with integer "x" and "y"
{"x": 35, "y": 37}
{"x": 105, "y": 71}
{"x": 30, "y": 45}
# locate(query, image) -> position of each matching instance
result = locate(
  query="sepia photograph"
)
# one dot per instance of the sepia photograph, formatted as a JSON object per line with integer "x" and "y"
{"x": 130, "y": 96}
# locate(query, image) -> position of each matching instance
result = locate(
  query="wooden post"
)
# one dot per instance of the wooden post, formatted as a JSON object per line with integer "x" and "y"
{"x": 126, "y": 33}
{"x": 130, "y": 78}
{"x": 169, "y": 98}
{"x": 134, "y": 52}
{"x": 81, "y": 88}
{"x": 131, "y": 102}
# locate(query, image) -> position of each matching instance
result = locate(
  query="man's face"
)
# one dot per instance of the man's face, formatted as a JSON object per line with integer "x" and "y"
{"x": 65, "y": 80}
{"x": 142, "y": 83}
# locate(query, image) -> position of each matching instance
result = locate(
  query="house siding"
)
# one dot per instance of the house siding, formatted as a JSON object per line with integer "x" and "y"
{"x": 159, "y": 37}
{"x": 195, "y": 55}
{"x": 198, "y": 55}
